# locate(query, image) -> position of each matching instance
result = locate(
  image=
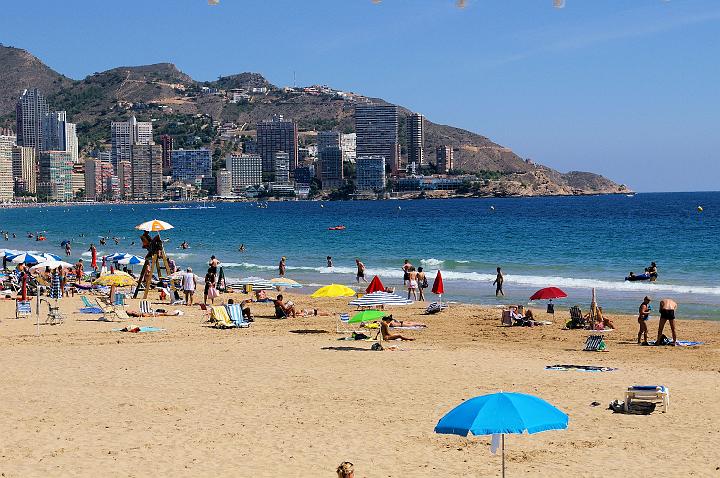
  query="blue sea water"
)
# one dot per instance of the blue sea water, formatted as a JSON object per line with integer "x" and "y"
{"x": 575, "y": 243}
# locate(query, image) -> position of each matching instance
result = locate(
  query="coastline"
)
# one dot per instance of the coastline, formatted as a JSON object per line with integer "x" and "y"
{"x": 290, "y": 398}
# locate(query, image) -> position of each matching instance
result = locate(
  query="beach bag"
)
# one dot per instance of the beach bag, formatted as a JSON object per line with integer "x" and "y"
{"x": 212, "y": 292}
{"x": 433, "y": 308}
{"x": 424, "y": 284}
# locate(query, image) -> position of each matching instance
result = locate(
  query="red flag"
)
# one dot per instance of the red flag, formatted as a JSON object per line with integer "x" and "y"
{"x": 375, "y": 286}
{"x": 438, "y": 287}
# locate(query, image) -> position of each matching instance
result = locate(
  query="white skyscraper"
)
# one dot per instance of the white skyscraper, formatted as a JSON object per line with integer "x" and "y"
{"x": 7, "y": 143}
{"x": 245, "y": 170}
{"x": 123, "y": 134}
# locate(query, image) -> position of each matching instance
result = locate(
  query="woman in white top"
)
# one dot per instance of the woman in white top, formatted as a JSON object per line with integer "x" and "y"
{"x": 412, "y": 283}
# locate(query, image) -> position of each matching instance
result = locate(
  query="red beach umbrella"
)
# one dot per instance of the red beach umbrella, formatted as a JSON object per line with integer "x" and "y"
{"x": 376, "y": 285}
{"x": 548, "y": 293}
{"x": 438, "y": 287}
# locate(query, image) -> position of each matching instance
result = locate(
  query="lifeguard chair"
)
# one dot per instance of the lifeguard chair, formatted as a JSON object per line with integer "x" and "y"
{"x": 156, "y": 258}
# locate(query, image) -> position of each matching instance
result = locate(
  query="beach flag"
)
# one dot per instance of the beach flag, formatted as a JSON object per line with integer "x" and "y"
{"x": 438, "y": 287}
{"x": 376, "y": 285}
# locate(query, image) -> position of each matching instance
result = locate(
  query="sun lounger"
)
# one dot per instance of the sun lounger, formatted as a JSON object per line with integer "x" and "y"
{"x": 648, "y": 393}
{"x": 595, "y": 343}
{"x": 23, "y": 309}
{"x": 146, "y": 308}
{"x": 236, "y": 315}
{"x": 112, "y": 312}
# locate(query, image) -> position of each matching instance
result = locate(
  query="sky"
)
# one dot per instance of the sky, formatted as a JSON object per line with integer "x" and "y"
{"x": 626, "y": 88}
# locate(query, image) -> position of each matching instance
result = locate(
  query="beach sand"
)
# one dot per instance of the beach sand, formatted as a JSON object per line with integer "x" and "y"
{"x": 286, "y": 398}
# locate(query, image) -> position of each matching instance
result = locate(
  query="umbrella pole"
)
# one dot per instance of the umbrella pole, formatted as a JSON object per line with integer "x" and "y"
{"x": 503, "y": 454}
{"x": 37, "y": 309}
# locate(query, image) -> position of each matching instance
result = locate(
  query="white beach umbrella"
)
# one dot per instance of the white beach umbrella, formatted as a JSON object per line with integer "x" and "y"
{"x": 154, "y": 226}
{"x": 375, "y": 299}
{"x": 52, "y": 265}
{"x": 28, "y": 258}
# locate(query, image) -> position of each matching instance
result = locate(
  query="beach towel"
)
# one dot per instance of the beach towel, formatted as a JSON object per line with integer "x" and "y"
{"x": 91, "y": 310}
{"x": 136, "y": 330}
{"x": 409, "y": 327}
{"x": 580, "y": 368}
{"x": 682, "y": 343}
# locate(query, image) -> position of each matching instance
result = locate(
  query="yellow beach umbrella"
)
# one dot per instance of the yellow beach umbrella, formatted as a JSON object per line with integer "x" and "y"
{"x": 116, "y": 279}
{"x": 154, "y": 226}
{"x": 334, "y": 290}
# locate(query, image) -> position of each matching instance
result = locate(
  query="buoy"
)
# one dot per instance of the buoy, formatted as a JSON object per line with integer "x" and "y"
{"x": 492, "y": 208}
{"x": 399, "y": 207}
{"x": 322, "y": 205}
{"x": 700, "y": 209}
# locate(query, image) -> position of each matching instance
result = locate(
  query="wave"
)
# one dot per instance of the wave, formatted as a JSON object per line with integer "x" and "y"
{"x": 522, "y": 280}
{"x": 432, "y": 262}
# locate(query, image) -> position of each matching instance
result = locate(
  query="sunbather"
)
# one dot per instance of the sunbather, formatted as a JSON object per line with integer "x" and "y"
{"x": 404, "y": 323}
{"x": 385, "y": 330}
{"x": 133, "y": 313}
{"x": 284, "y": 309}
{"x": 602, "y": 322}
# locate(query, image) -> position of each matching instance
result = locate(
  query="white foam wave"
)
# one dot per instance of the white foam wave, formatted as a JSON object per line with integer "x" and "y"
{"x": 463, "y": 262}
{"x": 432, "y": 262}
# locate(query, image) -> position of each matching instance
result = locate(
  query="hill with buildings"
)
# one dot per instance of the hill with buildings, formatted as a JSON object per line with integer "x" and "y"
{"x": 219, "y": 114}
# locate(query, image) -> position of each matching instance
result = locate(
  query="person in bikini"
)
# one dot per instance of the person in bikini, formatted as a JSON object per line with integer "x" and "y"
{"x": 643, "y": 316}
{"x": 385, "y": 330}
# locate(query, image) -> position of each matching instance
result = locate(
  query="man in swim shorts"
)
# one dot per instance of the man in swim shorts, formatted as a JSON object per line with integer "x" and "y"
{"x": 667, "y": 314}
{"x": 643, "y": 316}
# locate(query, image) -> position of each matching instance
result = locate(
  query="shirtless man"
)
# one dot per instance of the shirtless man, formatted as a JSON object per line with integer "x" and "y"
{"x": 385, "y": 330}
{"x": 498, "y": 283}
{"x": 406, "y": 269}
{"x": 643, "y": 315}
{"x": 667, "y": 314}
{"x": 360, "y": 271}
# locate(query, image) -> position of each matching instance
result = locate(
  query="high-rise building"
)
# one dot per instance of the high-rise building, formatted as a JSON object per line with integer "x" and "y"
{"x": 331, "y": 167}
{"x": 326, "y": 139}
{"x": 376, "y": 127}
{"x": 444, "y": 158}
{"x": 191, "y": 165}
{"x": 105, "y": 156}
{"x": 416, "y": 139}
{"x": 245, "y": 169}
{"x": 281, "y": 166}
{"x": 166, "y": 142}
{"x": 370, "y": 172}
{"x": 7, "y": 143}
{"x": 277, "y": 134}
{"x": 124, "y": 134}
{"x": 304, "y": 175}
{"x": 124, "y": 179}
{"x": 347, "y": 144}
{"x": 55, "y": 178}
{"x": 24, "y": 169}
{"x": 224, "y": 183}
{"x": 59, "y": 134}
{"x": 30, "y": 110}
{"x": 146, "y": 172}
{"x": 98, "y": 179}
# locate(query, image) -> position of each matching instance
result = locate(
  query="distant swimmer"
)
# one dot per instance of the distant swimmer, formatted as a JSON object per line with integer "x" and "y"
{"x": 281, "y": 267}
{"x": 241, "y": 248}
{"x": 184, "y": 245}
{"x": 329, "y": 261}
{"x": 498, "y": 283}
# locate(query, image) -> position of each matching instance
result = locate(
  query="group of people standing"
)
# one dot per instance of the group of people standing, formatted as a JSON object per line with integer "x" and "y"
{"x": 415, "y": 281}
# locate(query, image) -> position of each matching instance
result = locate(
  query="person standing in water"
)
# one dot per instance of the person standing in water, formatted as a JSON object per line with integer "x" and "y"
{"x": 329, "y": 261}
{"x": 498, "y": 283}
{"x": 360, "y": 271}
{"x": 282, "y": 267}
{"x": 643, "y": 316}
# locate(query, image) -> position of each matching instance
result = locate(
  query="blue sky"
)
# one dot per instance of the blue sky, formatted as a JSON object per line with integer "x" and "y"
{"x": 626, "y": 88}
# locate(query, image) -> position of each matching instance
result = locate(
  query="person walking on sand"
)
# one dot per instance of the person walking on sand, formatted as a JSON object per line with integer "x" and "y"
{"x": 189, "y": 284}
{"x": 498, "y": 283}
{"x": 667, "y": 314}
{"x": 643, "y": 316}
{"x": 282, "y": 267}
{"x": 360, "y": 271}
{"x": 412, "y": 283}
{"x": 422, "y": 284}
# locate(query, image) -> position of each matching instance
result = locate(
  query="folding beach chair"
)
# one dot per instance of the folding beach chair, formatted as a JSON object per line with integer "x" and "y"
{"x": 577, "y": 321}
{"x": 86, "y": 302}
{"x": 236, "y": 315}
{"x": 659, "y": 394}
{"x": 119, "y": 299}
{"x": 343, "y": 325}
{"x": 506, "y": 318}
{"x": 145, "y": 307}
{"x": 595, "y": 343}
{"x": 23, "y": 309}
{"x": 54, "y": 315}
{"x": 110, "y": 313}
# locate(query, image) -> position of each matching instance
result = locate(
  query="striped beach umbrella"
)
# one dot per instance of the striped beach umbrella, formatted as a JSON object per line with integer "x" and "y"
{"x": 285, "y": 282}
{"x": 130, "y": 260}
{"x": 257, "y": 283}
{"x": 27, "y": 258}
{"x": 379, "y": 298}
{"x": 154, "y": 226}
{"x": 52, "y": 265}
{"x": 50, "y": 257}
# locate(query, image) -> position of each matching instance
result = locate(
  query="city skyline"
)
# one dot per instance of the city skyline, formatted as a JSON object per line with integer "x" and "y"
{"x": 610, "y": 88}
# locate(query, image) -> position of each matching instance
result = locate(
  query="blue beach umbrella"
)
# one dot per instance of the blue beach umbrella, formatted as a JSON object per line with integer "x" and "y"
{"x": 27, "y": 258}
{"x": 50, "y": 257}
{"x": 501, "y": 413}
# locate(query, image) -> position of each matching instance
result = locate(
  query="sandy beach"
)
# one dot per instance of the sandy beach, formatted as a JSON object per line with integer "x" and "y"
{"x": 287, "y": 398}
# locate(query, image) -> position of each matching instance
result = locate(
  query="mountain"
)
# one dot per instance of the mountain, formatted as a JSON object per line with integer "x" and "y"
{"x": 189, "y": 111}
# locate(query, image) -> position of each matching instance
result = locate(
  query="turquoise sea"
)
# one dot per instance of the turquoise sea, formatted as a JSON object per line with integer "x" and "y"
{"x": 575, "y": 243}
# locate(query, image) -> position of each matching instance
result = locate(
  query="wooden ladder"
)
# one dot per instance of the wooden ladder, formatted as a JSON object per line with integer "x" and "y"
{"x": 157, "y": 261}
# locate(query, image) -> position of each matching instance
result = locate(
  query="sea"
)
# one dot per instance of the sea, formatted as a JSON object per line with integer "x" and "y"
{"x": 574, "y": 243}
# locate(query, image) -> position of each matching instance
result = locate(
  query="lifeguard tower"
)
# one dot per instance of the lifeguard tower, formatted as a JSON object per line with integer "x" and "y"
{"x": 156, "y": 259}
